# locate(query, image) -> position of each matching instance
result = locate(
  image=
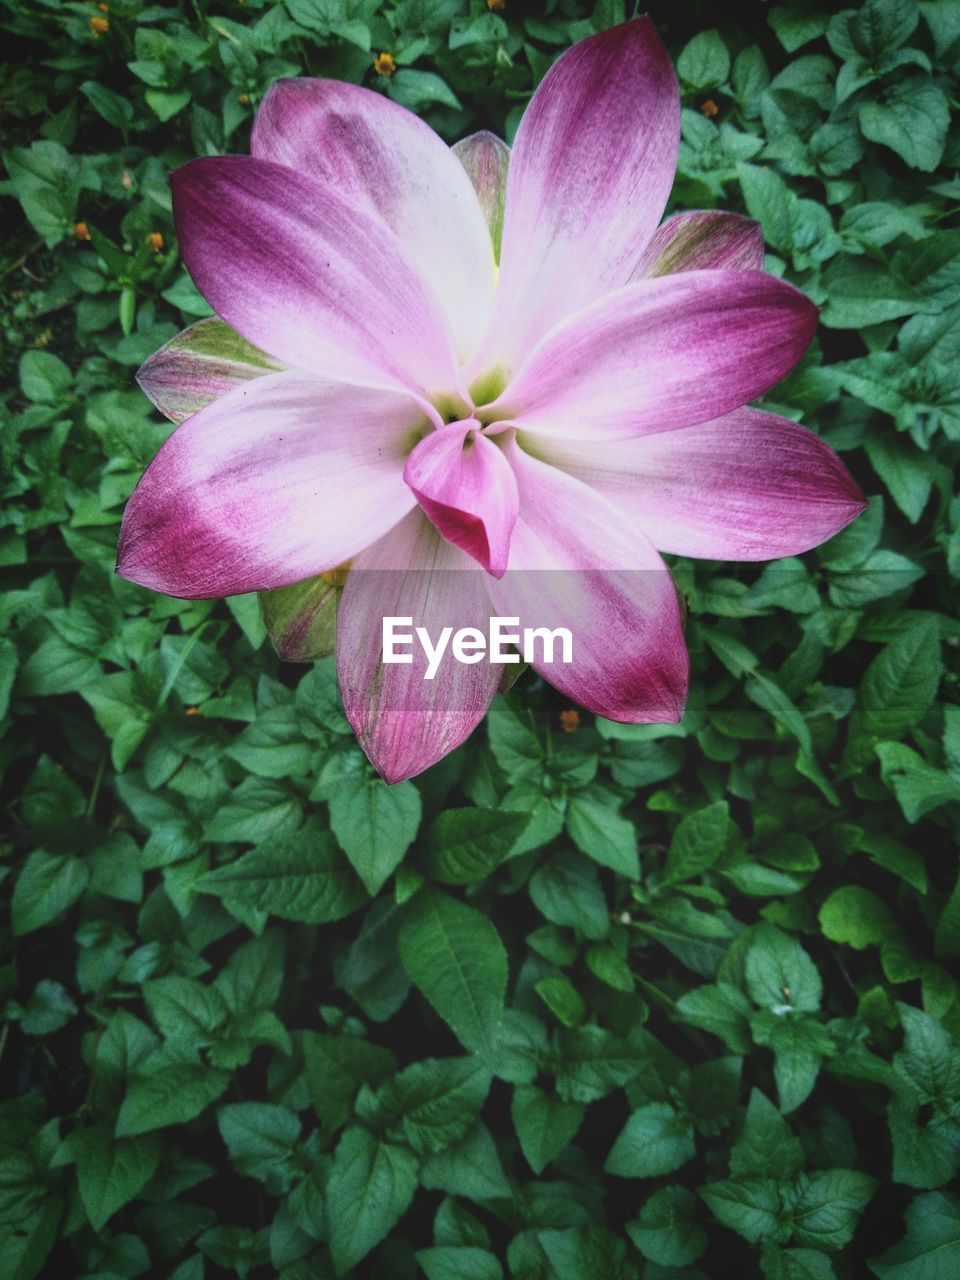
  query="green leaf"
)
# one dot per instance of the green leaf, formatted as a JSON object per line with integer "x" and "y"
{"x": 46, "y": 180}
{"x": 167, "y": 105}
{"x": 765, "y": 1145}
{"x": 601, "y": 833}
{"x": 185, "y": 1010}
{"x": 545, "y": 1125}
{"x": 455, "y": 956}
{"x": 49, "y": 1008}
{"x": 110, "y": 1171}
{"x": 336, "y": 1067}
{"x": 898, "y": 687}
{"x": 923, "y": 1156}
{"x": 302, "y": 877}
{"x": 799, "y": 1045}
{"x": 115, "y": 109}
{"x": 259, "y": 1136}
{"x": 911, "y": 118}
{"x": 562, "y": 999}
{"x": 666, "y": 1230}
{"x": 459, "y": 1262}
{"x": 375, "y": 825}
{"x": 826, "y": 1205}
{"x": 417, "y": 89}
{"x": 566, "y": 889}
{"x": 370, "y": 1187}
{"x": 471, "y": 1168}
{"x": 721, "y": 1009}
{"x": 655, "y": 1140}
{"x": 919, "y": 787}
{"x": 697, "y": 843}
{"x": 930, "y": 1249}
{"x": 857, "y": 917}
{"x": 168, "y": 1087}
{"x": 44, "y": 378}
{"x": 256, "y": 811}
{"x": 704, "y": 62}
{"x": 929, "y": 1061}
{"x": 780, "y": 975}
{"x": 435, "y": 1101}
{"x": 48, "y": 885}
{"x": 465, "y": 845}
{"x": 749, "y": 1206}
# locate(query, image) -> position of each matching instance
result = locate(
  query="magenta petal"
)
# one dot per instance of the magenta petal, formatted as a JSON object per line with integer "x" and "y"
{"x": 466, "y": 486}
{"x": 662, "y": 354}
{"x": 748, "y": 486}
{"x": 281, "y": 479}
{"x": 203, "y": 362}
{"x": 382, "y": 159}
{"x": 305, "y": 276}
{"x": 590, "y": 171}
{"x": 403, "y": 722}
{"x": 703, "y": 241}
{"x": 577, "y": 562}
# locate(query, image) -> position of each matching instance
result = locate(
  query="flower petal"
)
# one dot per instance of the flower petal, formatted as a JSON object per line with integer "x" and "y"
{"x": 486, "y": 159}
{"x": 748, "y": 486}
{"x": 466, "y": 486}
{"x": 384, "y": 160}
{"x": 703, "y": 241}
{"x": 306, "y": 276}
{"x": 404, "y": 722}
{"x": 661, "y": 354}
{"x": 278, "y": 480}
{"x": 576, "y": 562}
{"x": 206, "y": 360}
{"x": 590, "y": 171}
{"x": 301, "y": 619}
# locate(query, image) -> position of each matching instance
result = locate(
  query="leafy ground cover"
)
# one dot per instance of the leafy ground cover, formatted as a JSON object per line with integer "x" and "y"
{"x": 583, "y": 1001}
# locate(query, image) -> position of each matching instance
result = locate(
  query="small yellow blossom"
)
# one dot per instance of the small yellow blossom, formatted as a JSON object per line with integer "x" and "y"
{"x": 192, "y": 711}
{"x": 496, "y": 5}
{"x": 570, "y": 720}
{"x": 384, "y": 64}
{"x": 244, "y": 99}
{"x": 80, "y": 231}
{"x": 99, "y": 26}
{"x": 710, "y": 108}
{"x": 155, "y": 240}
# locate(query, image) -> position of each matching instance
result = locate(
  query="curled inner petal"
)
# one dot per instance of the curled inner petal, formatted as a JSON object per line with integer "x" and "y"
{"x": 466, "y": 486}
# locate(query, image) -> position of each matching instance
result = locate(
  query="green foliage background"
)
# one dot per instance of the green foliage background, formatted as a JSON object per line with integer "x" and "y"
{"x": 618, "y": 1002}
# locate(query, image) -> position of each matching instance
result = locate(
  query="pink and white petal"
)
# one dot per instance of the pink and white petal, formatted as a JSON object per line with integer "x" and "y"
{"x": 704, "y": 241}
{"x": 280, "y": 479}
{"x": 748, "y": 486}
{"x": 384, "y": 160}
{"x": 590, "y": 171}
{"x": 205, "y": 361}
{"x": 661, "y": 354}
{"x": 404, "y": 722}
{"x": 577, "y": 562}
{"x": 299, "y": 272}
{"x": 465, "y": 484}
{"x": 486, "y": 159}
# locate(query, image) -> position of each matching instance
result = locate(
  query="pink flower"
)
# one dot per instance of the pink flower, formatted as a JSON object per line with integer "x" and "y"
{"x": 519, "y": 440}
